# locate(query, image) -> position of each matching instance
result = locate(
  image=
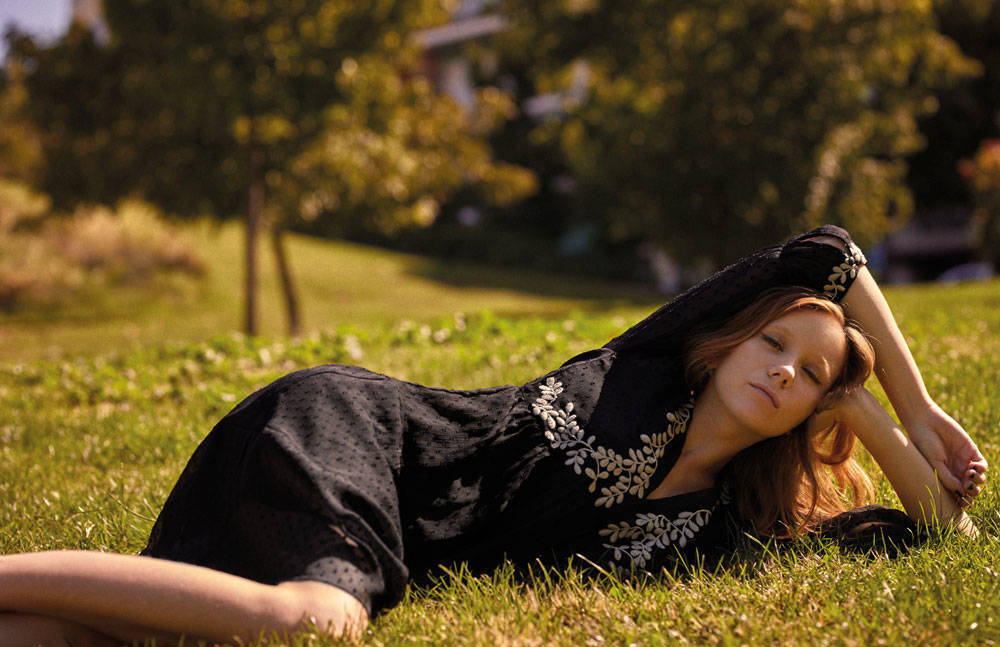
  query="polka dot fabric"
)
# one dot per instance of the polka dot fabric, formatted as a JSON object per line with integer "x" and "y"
{"x": 364, "y": 482}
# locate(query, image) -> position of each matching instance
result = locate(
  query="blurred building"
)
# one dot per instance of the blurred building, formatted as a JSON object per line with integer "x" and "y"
{"x": 936, "y": 245}
{"x": 443, "y": 59}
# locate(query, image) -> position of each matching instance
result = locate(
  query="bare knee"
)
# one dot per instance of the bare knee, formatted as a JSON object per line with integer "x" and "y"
{"x": 31, "y": 630}
{"x": 331, "y": 610}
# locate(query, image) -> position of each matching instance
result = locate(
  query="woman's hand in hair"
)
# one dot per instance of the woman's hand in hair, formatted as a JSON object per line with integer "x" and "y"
{"x": 847, "y": 410}
{"x": 950, "y": 451}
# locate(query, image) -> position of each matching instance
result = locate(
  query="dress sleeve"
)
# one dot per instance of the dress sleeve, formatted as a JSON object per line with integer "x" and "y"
{"x": 802, "y": 261}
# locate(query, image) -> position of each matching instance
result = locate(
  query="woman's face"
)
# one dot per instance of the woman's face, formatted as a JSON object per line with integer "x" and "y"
{"x": 773, "y": 381}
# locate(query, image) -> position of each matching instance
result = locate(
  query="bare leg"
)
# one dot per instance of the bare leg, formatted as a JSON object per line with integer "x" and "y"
{"x": 132, "y": 598}
{"x": 29, "y": 630}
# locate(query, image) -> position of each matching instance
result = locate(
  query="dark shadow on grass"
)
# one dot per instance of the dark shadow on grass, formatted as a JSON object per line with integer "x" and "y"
{"x": 603, "y": 293}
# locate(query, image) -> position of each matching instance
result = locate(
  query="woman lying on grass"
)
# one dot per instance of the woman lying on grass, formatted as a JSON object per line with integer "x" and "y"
{"x": 315, "y": 500}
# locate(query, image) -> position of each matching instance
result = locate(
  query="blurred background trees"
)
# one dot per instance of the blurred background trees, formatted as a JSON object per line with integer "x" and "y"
{"x": 967, "y": 112}
{"x": 712, "y": 128}
{"x": 275, "y": 110}
{"x": 982, "y": 172}
{"x": 960, "y": 165}
{"x": 595, "y": 129}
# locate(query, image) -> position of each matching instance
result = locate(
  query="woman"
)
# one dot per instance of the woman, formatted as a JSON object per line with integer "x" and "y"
{"x": 317, "y": 497}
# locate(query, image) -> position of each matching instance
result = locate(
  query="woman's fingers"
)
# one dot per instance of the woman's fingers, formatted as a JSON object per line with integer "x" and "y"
{"x": 947, "y": 477}
{"x": 975, "y": 477}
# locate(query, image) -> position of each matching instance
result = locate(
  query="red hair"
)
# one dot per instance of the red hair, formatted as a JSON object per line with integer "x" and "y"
{"x": 793, "y": 482}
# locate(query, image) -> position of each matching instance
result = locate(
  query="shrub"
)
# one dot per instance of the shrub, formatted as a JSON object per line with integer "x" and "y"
{"x": 128, "y": 245}
{"x": 46, "y": 260}
{"x": 19, "y": 205}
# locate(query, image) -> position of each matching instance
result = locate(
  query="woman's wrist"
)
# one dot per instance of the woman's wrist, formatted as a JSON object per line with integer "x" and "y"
{"x": 916, "y": 409}
{"x": 859, "y": 410}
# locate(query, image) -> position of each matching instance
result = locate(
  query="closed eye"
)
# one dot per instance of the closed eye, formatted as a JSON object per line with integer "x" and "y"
{"x": 812, "y": 376}
{"x": 774, "y": 343}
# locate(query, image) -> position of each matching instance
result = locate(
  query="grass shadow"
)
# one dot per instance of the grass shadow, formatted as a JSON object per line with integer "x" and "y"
{"x": 603, "y": 293}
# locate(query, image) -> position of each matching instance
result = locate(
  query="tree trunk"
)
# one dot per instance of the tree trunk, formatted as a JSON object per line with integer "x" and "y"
{"x": 287, "y": 284}
{"x": 255, "y": 211}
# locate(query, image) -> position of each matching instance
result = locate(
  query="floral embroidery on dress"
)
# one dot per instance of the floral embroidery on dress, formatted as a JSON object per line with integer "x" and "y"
{"x": 651, "y": 532}
{"x": 845, "y": 273}
{"x": 631, "y": 473}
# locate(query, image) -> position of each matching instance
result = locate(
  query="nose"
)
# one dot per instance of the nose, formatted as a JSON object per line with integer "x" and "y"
{"x": 783, "y": 373}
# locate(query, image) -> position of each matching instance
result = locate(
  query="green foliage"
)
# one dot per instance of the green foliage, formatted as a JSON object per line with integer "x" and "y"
{"x": 712, "y": 128}
{"x": 78, "y": 101}
{"x": 20, "y": 149}
{"x": 393, "y": 151}
{"x": 968, "y": 112}
{"x": 272, "y": 109}
{"x": 174, "y": 106}
{"x": 89, "y": 448}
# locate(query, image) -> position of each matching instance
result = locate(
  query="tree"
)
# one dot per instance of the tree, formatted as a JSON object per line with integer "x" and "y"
{"x": 714, "y": 127}
{"x": 223, "y": 106}
{"x": 390, "y": 153}
{"x": 968, "y": 112}
{"x": 20, "y": 152}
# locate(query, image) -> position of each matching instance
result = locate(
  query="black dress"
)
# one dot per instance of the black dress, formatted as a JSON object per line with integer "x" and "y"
{"x": 359, "y": 480}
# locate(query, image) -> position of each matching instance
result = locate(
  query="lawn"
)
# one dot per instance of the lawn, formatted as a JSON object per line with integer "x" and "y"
{"x": 96, "y": 426}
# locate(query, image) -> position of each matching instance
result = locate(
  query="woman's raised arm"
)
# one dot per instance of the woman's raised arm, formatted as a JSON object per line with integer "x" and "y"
{"x": 947, "y": 447}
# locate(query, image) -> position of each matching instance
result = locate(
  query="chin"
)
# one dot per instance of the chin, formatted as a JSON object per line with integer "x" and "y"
{"x": 757, "y": 420}
{"x": 766, "y": 427}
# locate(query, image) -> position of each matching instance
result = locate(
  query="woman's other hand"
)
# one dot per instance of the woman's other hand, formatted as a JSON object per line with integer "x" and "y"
{"x": 847, "y": 410}
{"x": 919, "y": 484}
{"x": 950, "y": 451}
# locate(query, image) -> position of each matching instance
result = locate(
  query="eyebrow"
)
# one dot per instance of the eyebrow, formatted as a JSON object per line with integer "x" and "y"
{"x": 826, "y": 375}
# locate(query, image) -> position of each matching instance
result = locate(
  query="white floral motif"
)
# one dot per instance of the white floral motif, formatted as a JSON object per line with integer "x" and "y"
{"x": 631, "y": 473}
{"x": 838, "y": 280}
{"x": 651, "y": 532}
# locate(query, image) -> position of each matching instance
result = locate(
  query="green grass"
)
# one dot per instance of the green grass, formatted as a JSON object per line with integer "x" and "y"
{"x": 92, "y": 441}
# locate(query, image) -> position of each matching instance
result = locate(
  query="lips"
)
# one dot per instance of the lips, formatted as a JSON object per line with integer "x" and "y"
{"x": 767, "y": 393}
